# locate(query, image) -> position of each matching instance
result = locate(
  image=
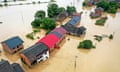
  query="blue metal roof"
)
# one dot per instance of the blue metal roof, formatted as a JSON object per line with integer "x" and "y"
{"x": 74, "y": 20}
{"x": 13, "y": 42}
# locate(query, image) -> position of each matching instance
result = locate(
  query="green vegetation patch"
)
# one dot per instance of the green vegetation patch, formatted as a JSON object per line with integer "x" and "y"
{"x": 30, "y": 36}
{"x": 101, "y": 21}
{"x": 110, "y": 7}
{"x": 110, "y": 36}
{"x": 86, "y": 44}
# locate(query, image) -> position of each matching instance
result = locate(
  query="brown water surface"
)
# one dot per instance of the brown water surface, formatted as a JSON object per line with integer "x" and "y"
{"x": 105, "y": 58}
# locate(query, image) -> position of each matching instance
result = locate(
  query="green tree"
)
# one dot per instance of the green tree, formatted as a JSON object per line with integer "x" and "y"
{"x": 104, "y": 4}
{"x": 71, "y": 10}
{"x": 5, "y": 0}
{"x": 52, "y": 10}
{"x": 60, "y": 9}
{"x": 84, "y": 3}
{"x": 36, "y": 23}
{"x": 113, "y": 6}
{"x": 111, "y": 36}
{"x": 48, "y": 24}
{"x": 87, "y": 44}
{"x": 40, "y": 14}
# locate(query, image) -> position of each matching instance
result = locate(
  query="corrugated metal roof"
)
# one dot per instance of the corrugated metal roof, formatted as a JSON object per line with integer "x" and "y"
{"x": 74, "y": 20}
{"x": 32, "y": 52}
{"x": 13, "y": 42}
{"x": 6, "y": 67}
{"x": 50, "y": 40}
{"x": 17, "y": 67}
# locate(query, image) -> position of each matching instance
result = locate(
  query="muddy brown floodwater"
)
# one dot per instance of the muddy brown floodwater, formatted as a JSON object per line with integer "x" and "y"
{"x": 105, "y": 58}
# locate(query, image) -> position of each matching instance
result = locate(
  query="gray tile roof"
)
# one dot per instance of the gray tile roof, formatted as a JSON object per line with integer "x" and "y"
{"x": 61, "y": 16}
{"x": 13, "y": 42}
{"x": 32, "y": 52}
{"x": 57, "y": 34}
{"x": 6, "y": 67}
{"x": 17, "y": 67}
{"x": 74, "y": 30}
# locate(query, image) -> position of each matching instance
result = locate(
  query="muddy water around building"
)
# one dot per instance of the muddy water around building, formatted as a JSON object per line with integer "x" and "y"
{"x": 105, "y": 58}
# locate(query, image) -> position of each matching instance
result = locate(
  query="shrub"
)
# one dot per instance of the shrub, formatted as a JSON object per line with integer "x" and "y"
{"x": 87, "y": 44}
{"x": 48, "y": 31}
{"x": 101, "y": 21}
{"x": 40, "y": 14}
{"x": 1, "y": 5}
{"x": 30, "y": 36}
{"x": 84, "y": 3}
{"x": 48, "y": 24}
{"x": 36, "y": 30}
{"x": 71, "y": 10}
{"x": 36, "y": 23}
{"x": 98, "y": 38}
{"x": 111, "y": 36}
{"x": 6, "y": 4}
{"x": 33, "y": 2}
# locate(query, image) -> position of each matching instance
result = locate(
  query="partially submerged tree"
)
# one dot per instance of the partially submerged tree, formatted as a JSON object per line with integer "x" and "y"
{"x": 52, "y": 10}
{"x": 5, "y": 0}
{"x": 101, "y": 21}
{"x": 36, "y": 23}
{"x": 40, "y": 14}
{"x": 111, "y": 36}
{"x": 113, "y": 6}
{"x": 110, "y": 7}
{"x": 60, "y": 10}
{"x": 48, "y": 24}
{"x": 71, "y": 10}
{"x": 87, "y": 44}
{"x": 104, "y": 4}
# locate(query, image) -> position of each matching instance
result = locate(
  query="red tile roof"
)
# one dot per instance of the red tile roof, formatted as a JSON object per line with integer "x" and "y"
{"x": 50, "y": 40}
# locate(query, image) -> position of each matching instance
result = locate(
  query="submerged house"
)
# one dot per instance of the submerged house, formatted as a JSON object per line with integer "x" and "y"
{"x": 118, "y": 1}
{"x": 62, "y": 16}
{"x": 13, "y": 44}
{"x": 40, "y": 51}
{"x": 98, "y": 12}
{"x": 76, "y": 31}
{"x": 92, "y": 2}
{"x": 50, "y": 40}
{"x": 71, "y": 28}
{"x": 53, "y": 38}
{"x": 35, "y": 54}
{"x": 5, "y": 66}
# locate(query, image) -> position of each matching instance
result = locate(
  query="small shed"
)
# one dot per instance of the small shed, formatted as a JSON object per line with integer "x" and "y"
{"x": 13, "y": 44}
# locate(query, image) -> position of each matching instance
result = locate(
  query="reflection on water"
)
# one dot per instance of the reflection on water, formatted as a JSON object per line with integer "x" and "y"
{"x": 105, "y": 58}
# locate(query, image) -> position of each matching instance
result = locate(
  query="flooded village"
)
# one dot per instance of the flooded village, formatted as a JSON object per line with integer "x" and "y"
{"x": 58, "y": 50}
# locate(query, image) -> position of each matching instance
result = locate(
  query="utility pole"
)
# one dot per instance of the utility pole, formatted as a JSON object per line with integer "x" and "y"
{"x": 75, "y": 62}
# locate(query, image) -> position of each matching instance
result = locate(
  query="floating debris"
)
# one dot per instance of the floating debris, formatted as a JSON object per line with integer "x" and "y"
{"x": 1, "y": 22}
{"x": 98, "y": 38}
